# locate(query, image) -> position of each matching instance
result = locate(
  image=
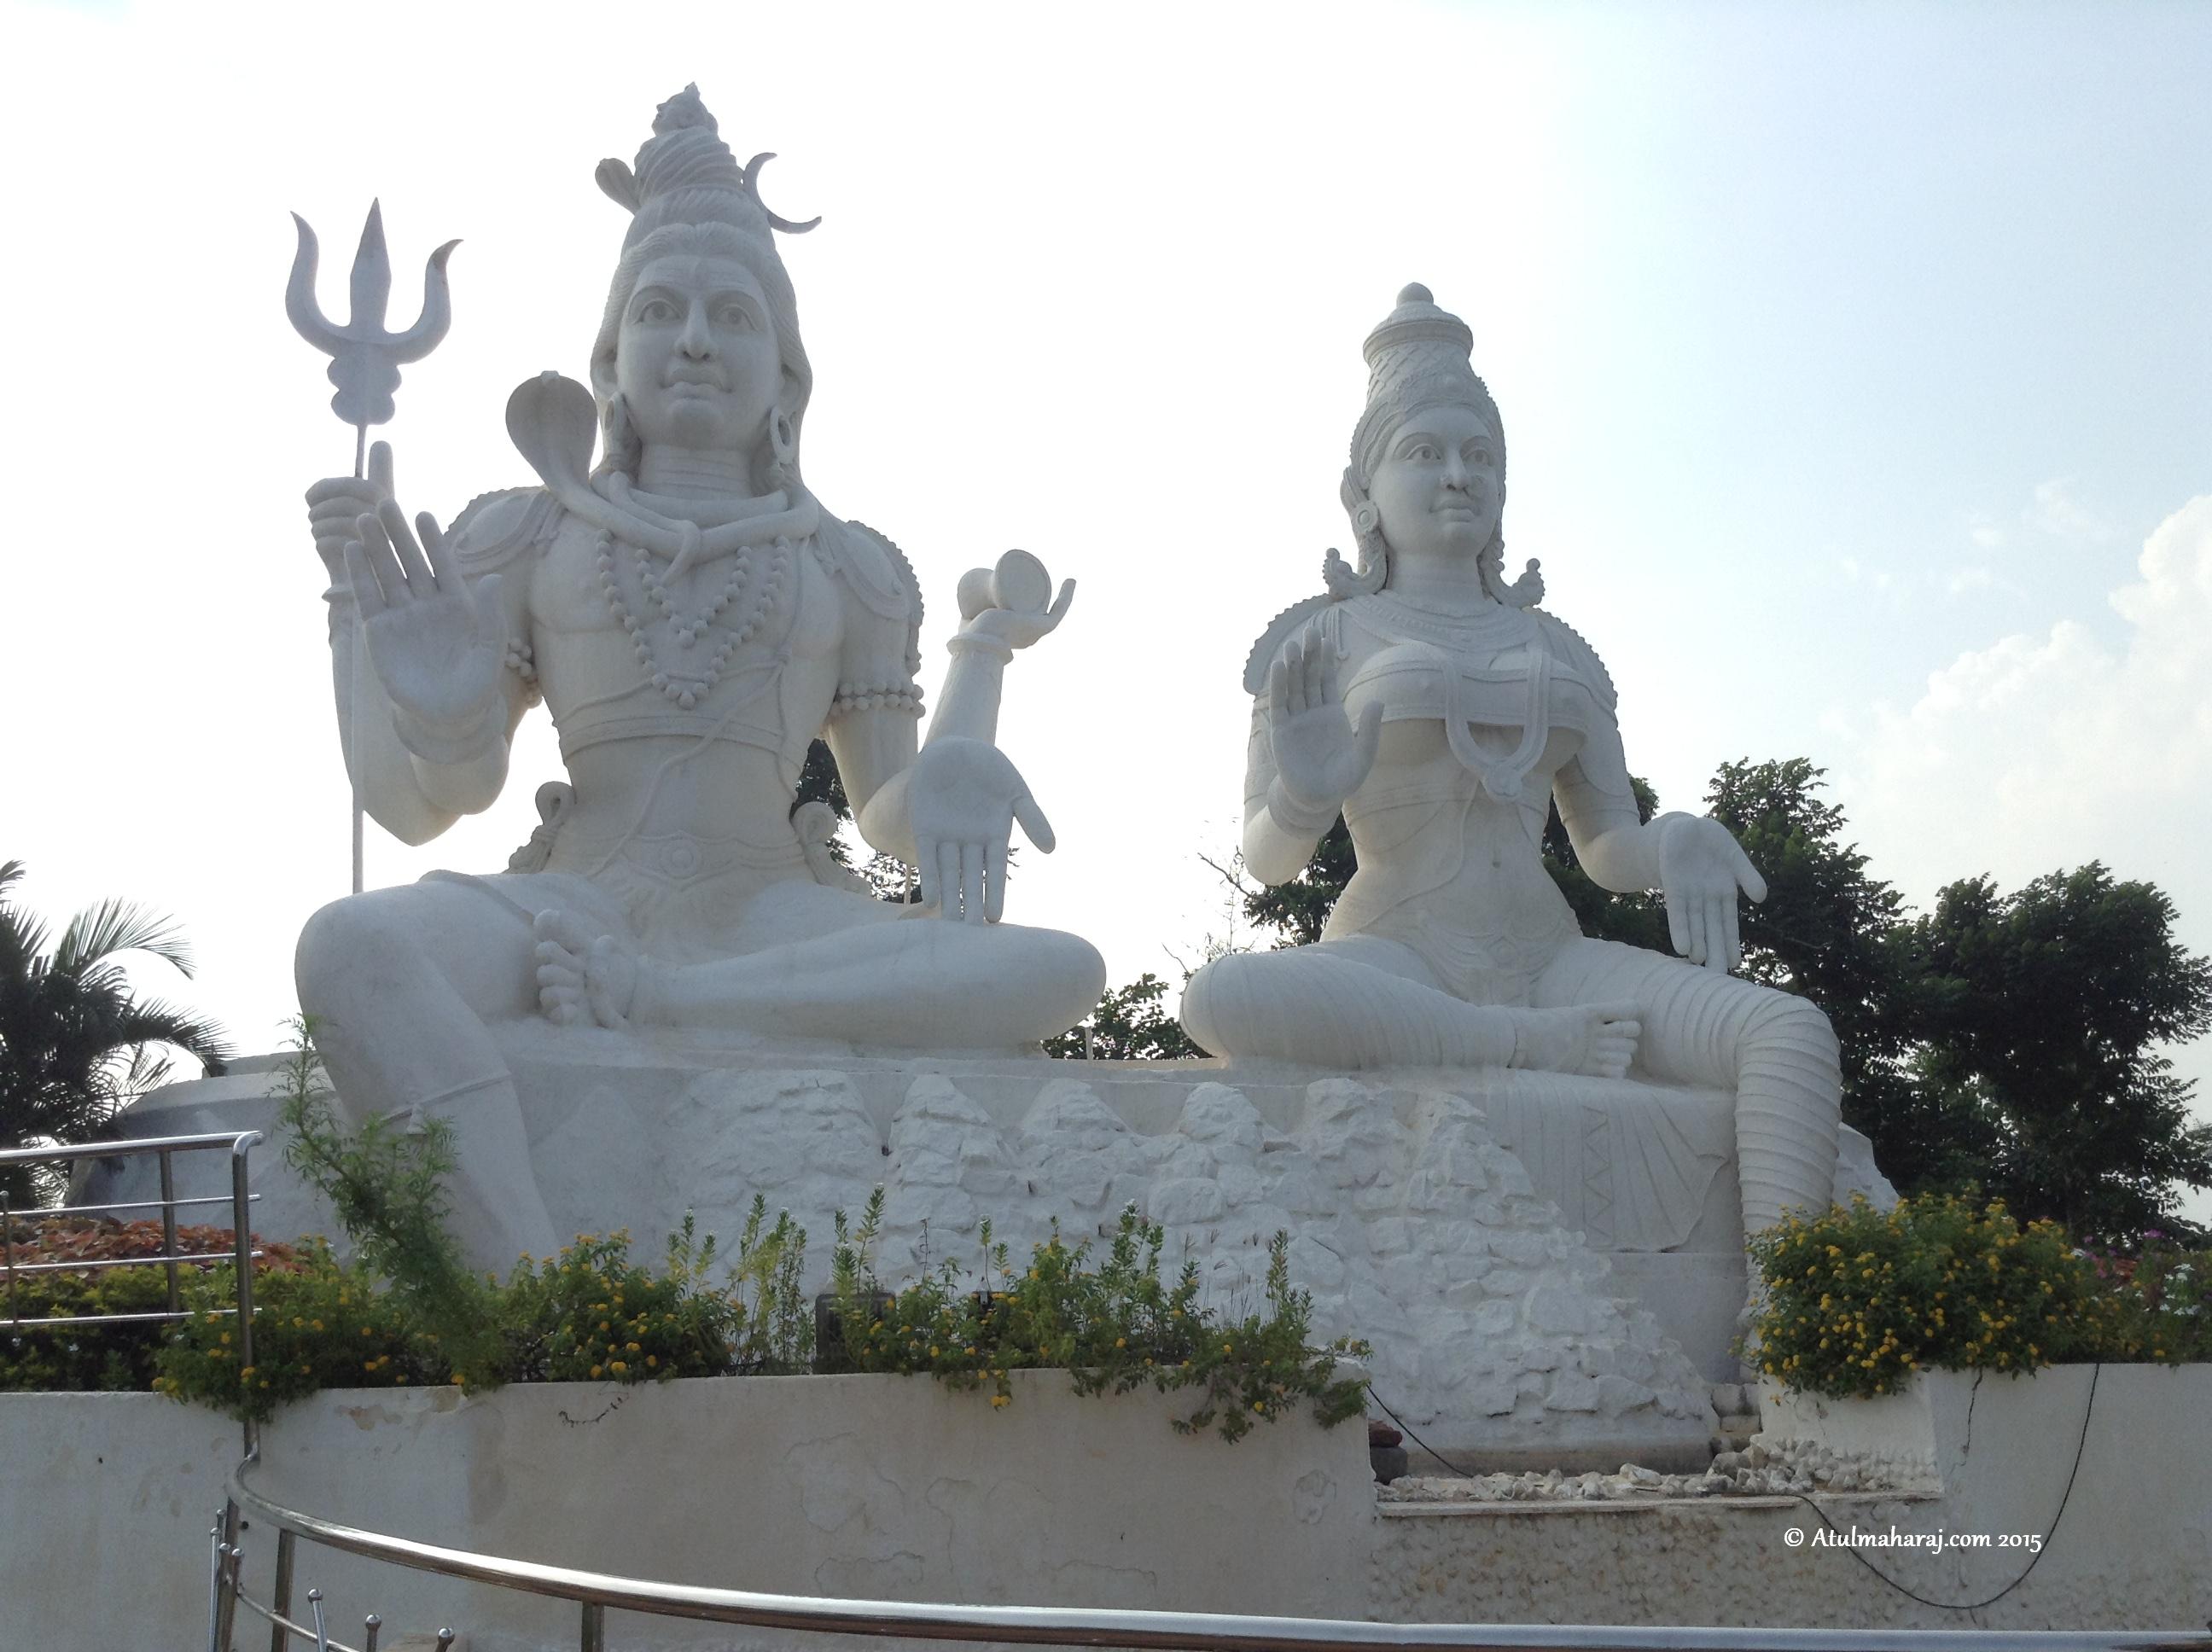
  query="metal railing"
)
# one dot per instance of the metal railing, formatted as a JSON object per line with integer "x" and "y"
{"x": 595, "y": 1593}
{"x": 237, "y": 1143}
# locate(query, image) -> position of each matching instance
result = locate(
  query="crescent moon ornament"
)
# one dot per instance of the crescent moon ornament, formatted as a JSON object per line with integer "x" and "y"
{"x": 752, "y": 188}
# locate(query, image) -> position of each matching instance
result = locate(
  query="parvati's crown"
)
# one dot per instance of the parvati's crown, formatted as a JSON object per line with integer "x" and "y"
{"x": 685, "y": 173}
{"x": 1418, "y": 358}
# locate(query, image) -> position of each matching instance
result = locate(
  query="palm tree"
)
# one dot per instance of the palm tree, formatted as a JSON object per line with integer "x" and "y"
{"x": 76, "y": 1045}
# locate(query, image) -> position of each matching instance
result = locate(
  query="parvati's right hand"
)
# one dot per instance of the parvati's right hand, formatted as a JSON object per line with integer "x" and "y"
{"x": 335, "y": 503}
{"x": 1320, "y": 757}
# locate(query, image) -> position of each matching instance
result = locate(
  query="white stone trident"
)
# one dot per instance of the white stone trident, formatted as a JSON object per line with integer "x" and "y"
{"x": 365, "y": 358}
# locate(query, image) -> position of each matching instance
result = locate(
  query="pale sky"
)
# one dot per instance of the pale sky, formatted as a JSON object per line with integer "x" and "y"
{"x": 1855, "y": 364}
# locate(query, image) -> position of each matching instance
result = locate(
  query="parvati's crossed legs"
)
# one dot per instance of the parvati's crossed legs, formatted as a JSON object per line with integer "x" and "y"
{"x": 399, "y": 984}
{"x": 1775, "y": 1050}
{"x": 1365, "y": 1001}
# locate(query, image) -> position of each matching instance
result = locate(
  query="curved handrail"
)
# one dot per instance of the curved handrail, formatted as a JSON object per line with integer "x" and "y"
{"x": 1085, "y": 1626}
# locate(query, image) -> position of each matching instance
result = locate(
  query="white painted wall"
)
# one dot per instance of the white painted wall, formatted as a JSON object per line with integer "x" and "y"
{"x": 897, "y": 1488}
{"x": 879, "y": 1487}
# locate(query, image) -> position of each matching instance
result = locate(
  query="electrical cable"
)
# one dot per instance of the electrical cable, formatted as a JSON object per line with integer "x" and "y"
{"x": 2080, "y": 1446}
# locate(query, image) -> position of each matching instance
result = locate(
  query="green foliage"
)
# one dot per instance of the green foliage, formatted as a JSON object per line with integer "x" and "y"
{"x": 1296, "y": 910}
{"x": 329, "y": 1326}
{"x": 1130, "y": 1023}
{"x": 2041, "y": 1010}
{"x": 78, "y": 1358}
{"x": 592, "y": 1313}
{"x": 2159, "y": 1304}
{"x": 1115, "y": 1326}
{"x": 77, "y": 1044}
{"x": 1857, "y": 1300}
{"x": 386, "y": 1182}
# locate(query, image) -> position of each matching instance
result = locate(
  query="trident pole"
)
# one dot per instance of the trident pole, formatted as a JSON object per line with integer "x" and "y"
{"x": 365, "y": 363}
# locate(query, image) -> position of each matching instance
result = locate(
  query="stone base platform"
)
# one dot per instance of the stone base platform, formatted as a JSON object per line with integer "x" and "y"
{"x": 1549, "y": 1268}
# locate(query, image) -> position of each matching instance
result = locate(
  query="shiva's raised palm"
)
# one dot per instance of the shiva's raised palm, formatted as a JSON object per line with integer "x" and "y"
{"x": 693, "y": 620}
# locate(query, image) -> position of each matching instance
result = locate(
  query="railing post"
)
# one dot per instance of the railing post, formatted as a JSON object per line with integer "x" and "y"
{"x": 169, "y": 1224}
{"x": 241, "y": 1207}
{"x": 279, "y": 1594}
{"x": 371, "y": 1627}
{"x": 7, "y": 1240}
{"x": 225, "y": 1598}
{"x": 215, "y": 1585}
{"x": 595, "y": 1628}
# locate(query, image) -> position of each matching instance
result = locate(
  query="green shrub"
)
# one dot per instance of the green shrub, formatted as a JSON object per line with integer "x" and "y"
{"x": 590, "y": 1314}
{"x": 1115, "y": 1327}
{"x": 69, "y": 1359}
{"x": 79, "y": 1358}
{"x": 2157, "y": 1305}
{"x": 329, "y": 1324}
{"x": 1857, "y": 1300}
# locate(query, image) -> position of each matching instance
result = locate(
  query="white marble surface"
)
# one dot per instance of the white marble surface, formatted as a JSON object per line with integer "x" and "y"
{"x": 1430, "y": 703}
{"x": 1548, "y": 1266}
{"x": 692, "y": 618}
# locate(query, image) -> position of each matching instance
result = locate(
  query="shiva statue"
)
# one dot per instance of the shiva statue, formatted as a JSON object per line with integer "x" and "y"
{"x": 1440, "y": 711}
{"x": 693, "y": 620}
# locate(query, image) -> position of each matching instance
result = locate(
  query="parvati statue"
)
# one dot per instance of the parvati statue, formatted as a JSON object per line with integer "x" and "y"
{"x": 1441, "y": 712}
{"x": 693, "y": 619}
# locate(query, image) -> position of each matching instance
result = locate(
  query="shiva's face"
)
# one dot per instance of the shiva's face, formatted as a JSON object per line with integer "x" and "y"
{"x": 695, "y": 358}
{"x": 1437, "y": 488}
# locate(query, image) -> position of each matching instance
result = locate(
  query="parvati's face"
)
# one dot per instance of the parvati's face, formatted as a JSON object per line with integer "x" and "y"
{"x": 696, "y": 358}
{"x": 1437, "y": 486}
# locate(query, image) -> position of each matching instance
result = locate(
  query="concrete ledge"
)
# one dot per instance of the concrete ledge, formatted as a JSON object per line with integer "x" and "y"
{"x": 2132, "y": 1548}
{"x": 874, "y": 1487}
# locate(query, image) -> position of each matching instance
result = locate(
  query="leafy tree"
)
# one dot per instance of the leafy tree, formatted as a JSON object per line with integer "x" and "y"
{"x": 820, "y": 782}
{"x": 77, "y": 1045}
{"x": 2042, "y": 1011}
{"x": 1130, "y": 1023}
{"x": 1296, "y": 910}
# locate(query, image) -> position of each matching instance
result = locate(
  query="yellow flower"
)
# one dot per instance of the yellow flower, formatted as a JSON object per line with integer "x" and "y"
{"x": 619, "y": 1368}
{"x": 651, "y": 1361}
{"x": 998, "y": 1399}
{"x": 226, "y": 1338}
{"x": 315, "y": 1324}
{"x": 595, "y": 1370}
{"x": 633, "y": 1347}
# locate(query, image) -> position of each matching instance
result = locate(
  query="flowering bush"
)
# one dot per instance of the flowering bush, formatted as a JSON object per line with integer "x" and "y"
{"x": 103, "y": 1358}
{"x": 1114, "y": 1326}
{"x": 2157, "y": 1305}
{"x": 591, "y": 1314}
{"x": 1858, "y": 1299}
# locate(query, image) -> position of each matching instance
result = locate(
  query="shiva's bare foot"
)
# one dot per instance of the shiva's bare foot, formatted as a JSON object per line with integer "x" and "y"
{"x": 583, "y": 980}
{"x": 1597, "y": 1040}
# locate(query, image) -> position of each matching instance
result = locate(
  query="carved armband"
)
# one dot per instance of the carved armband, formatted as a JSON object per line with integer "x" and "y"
{"x": 903, "y": 697}
{"x": 978, "y": 642}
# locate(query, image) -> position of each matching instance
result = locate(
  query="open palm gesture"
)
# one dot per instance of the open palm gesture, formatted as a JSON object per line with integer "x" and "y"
{"x": 1320, "y": 757}
{"x": 434, "y": 641}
